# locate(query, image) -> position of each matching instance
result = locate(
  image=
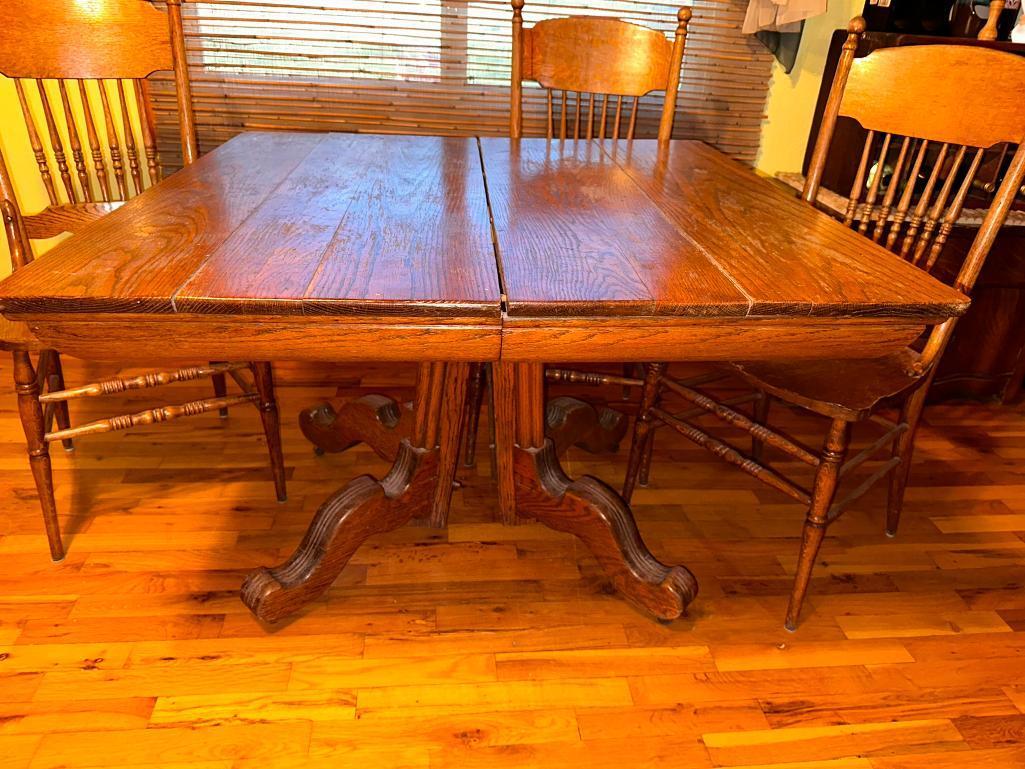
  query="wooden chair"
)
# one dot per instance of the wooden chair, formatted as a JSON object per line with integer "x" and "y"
{"x": 601, "y": 61}
{"x": 90, "y": 50}
{"x": 931, "y": 112}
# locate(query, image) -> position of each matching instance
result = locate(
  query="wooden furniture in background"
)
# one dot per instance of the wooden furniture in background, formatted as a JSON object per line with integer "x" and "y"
{"x": 989, "y": 30}
{"x": 600, "y": 59}
{"x": 986, "y": 354}
{"x": 955, "y": 102}
{"x": 697, "y": 250}
{"x": 91, "y": 55}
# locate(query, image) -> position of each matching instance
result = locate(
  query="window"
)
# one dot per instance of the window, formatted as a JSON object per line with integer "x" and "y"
{"x": 434, "y": 66}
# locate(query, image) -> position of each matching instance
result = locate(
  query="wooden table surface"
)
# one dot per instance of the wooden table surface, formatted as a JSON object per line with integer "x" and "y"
{"x": 633, "y": 228}
{"x": 447, "y": 251}
{"x": 383, "y": 229}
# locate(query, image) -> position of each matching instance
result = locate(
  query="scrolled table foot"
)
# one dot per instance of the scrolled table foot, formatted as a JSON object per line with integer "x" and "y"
{"x": 594, "y": 513}
{"x": 338, "y": 424}
{"x": 361, "y": 509}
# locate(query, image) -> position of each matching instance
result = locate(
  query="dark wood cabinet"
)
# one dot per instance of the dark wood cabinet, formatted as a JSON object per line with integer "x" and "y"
{"x": 986, "y": 357}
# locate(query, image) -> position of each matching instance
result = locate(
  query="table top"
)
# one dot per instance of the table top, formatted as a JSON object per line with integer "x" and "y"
{"x": 632, "y": 228}
{"x": 289, "y": 224}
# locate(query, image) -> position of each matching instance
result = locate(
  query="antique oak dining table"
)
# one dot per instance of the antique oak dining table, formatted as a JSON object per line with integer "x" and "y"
{"x": 452, "y": 251}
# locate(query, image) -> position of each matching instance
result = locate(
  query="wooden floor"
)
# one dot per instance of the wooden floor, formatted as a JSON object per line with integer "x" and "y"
{"x": 484, "y": 646}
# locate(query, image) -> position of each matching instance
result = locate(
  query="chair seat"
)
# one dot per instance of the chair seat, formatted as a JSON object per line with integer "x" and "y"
{"x": 844, "y": 389}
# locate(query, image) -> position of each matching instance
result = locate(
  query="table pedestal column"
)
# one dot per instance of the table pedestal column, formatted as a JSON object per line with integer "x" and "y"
{"x": 418, "y": 486}
{"x": 532, "y": 485}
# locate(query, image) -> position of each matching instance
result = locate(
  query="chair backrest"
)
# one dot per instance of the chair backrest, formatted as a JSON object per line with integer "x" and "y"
{"x": 931, "y": 112}
{"x": 601, "y": 59}
{"x": 83, "y": 55}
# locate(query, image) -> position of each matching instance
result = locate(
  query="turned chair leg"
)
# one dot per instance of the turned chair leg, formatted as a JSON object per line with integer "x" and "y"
{"x": 30, "y": 410}
{"x": 629, "y": 371}
{"x": 55, "y": 382}
{"x": 263, "y": 378}
{"x": 474, "y": 401}
{"x": 903, "y": 447}
{"x": 761, "y": 416}
{"x": 643, "y": 440}
{"x": 817, "y": 520}
{"x": 489, "y": 393}
{"x": 220, "y": 390}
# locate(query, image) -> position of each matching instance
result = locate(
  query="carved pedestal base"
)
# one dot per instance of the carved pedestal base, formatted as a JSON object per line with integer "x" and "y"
{"x": 418, "y": 487}
{"x": 339, "y": 424}
{"x": 533, "y": 485}
{"x": 363, "y": 508}
{"x": 598, "y": 516}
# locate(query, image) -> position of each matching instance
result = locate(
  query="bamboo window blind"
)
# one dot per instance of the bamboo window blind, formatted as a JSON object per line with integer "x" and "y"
{"x": 434, "y": 67}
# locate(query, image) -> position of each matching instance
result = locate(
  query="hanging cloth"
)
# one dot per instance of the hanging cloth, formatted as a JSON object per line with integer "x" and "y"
{"x": 778, "y": 24}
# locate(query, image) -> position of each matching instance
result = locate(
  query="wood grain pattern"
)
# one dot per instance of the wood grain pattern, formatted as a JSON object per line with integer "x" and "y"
{"x": 90, "y": 39}
{"x": 115, "y": 336}
{"x": 360, "y": 242}
{"x": 583, "y": 229}
{"x": 577, "y": 237}
{"x": 138, "y": 256}
{"x": 952, "y": 104}
{"x": 811, "y": 265}
{"x": 574, "y": 54}
{"x": 637, "y": 338}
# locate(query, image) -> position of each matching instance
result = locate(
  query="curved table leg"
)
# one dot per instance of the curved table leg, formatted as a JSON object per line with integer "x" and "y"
{"x": 537, "y": 488}
{"x": 414, "y": 488}
{"x": 340, "y": 423}
{"x": 574, "y": 422}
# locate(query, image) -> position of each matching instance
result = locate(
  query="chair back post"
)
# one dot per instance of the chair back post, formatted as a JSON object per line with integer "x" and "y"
{"x": 183, "y": 87}
{"x": 14, "y": 226}
{"x": 855, "y": 31}
{"x": 516, "y": 88}
{"x": 665, "y": 126}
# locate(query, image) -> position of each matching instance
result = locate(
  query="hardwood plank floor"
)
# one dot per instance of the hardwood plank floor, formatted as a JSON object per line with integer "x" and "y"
{"x": 501, "y": 647}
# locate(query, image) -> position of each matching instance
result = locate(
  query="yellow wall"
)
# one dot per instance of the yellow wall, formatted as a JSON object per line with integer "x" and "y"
{"x": 14, "y": 143}
{"x": 792, "y": 97}
{"x": 784, "y": 135}
{"x": 20, "y": 162}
